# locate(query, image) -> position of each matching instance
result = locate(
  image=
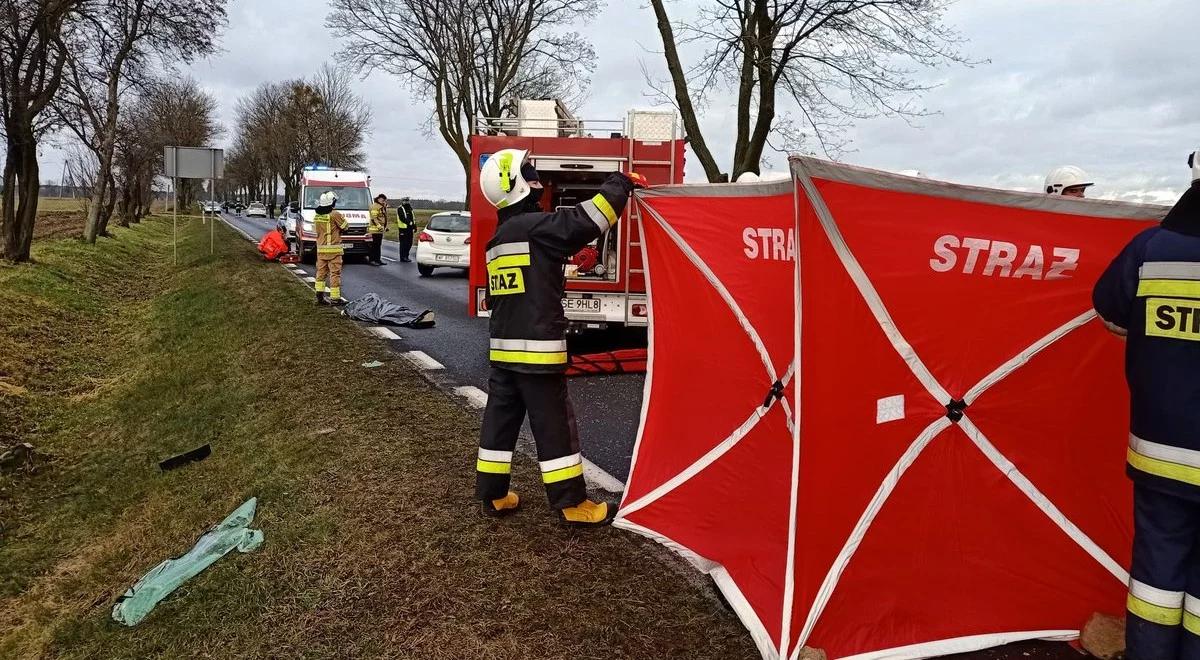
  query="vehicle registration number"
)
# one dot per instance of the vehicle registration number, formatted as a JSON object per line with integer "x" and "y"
{"x": 581, "y": 304}
{"x": 347, "y": 246}
{"x": 446, "y": 257}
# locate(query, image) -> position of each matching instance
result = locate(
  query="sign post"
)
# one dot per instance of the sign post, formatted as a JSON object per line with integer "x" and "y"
{"x": 192, "y": 163}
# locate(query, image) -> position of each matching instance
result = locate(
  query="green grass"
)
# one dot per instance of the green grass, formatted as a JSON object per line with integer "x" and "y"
{"x": 60, "y": 204}
{"x": 420, "y": 216}
{"x": 112, "y": 359}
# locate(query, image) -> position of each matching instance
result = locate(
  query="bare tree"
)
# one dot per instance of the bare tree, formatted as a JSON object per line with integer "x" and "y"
{"x": 110, "y": 58}
{"x": 32, "y": 57}
{"x": 835, "y": 60}
{"x": 282, "y": 127}
{"x": 469, "y": 58}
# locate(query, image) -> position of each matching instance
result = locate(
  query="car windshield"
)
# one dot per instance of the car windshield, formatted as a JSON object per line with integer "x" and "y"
{"x": 349, "y": 198}
{"x": 452, "y": 222}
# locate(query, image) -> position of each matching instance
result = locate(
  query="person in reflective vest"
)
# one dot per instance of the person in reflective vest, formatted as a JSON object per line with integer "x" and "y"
{"x": 406, "y": 225}
{"x": 329, "y": 225}
{"x": 376, "y": 225}
{"x": 1150, "y": 295}
{"x": 527, "y": 329}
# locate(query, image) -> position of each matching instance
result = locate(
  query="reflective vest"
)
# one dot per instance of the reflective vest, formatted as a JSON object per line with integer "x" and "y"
{"x": 378, "y": 219}
{"x": 1152, "y": 292}
{"x": 404, "y": 217}
{"x": 525, "y": 277}
{"x": 329, "y": 232}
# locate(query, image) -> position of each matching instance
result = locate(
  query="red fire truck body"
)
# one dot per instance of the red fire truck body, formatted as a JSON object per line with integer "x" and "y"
{"x": 606, "y": 285}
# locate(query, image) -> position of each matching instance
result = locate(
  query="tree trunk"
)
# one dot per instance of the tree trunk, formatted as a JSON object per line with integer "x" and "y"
{"x": 110, "y": 201}
{"x": 683, "y": 97}
{"x": 20, "y": 196}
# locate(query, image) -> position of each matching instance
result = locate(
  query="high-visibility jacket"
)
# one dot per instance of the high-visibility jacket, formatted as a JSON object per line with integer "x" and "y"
{"x": 378, "y": 219}
{"x": 329, "y": 232}
{"x": 525, "y": 276}
{"x": 404, "y": 217}
{"x": 1151, "y": 291}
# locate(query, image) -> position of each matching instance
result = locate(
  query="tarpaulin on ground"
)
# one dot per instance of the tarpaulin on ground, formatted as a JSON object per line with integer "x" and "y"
{"x": 374, "y": 309}
{"x": 907, "y": 442}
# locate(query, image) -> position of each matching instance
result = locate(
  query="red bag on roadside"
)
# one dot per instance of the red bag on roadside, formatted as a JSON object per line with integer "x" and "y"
{"x": 272, "y": 246}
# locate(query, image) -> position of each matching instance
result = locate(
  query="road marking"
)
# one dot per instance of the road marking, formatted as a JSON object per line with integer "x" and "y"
{"x": 292, "y": 266}
{"x": 383, "y": 332}
{"x": 389, "y": 259}
{"x": 422, "y": 360}
{"x": 474, "y": 396}
{"x": 310, "y": 280}
{"x": 598, "y": 478}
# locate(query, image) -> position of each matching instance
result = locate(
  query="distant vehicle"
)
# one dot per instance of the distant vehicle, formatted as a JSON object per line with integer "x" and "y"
{"x": 445, "y": 243}
{"x": 256, "y": 209}
{"x": 353, "y": 190}
{"x": 208, "y": 206}
{"x": 288, "y": 219}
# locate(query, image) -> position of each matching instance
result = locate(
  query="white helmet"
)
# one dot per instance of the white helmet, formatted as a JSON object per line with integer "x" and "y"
{"x": 1067, "y": 176}
{"x": 328, "y": 198}
{"x": 748, "y": 177}
{"x": 1194, "y": 163}
{"x": 500, "y": 178}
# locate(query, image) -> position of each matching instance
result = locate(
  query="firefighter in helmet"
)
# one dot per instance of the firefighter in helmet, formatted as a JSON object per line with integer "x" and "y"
{"x": 528, "y": 346}
{"x": 1068, "y": 181}
{"x": 329, "y": 224}
{"x": 1150, "y": 295}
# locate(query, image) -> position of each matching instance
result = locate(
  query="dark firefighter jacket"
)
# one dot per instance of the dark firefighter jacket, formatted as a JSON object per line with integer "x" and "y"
{"x": 1151, "y": 291}
{"x": 525, "y": 262}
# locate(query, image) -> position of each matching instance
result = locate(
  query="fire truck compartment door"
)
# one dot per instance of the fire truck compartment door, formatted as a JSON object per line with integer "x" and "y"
{"x": 552, "y": 164}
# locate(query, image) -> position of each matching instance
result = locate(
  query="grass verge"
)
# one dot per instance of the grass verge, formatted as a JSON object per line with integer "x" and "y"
{"x": 112, "y": 359}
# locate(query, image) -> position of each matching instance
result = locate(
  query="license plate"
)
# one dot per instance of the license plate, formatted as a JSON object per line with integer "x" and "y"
{"x": 581, "y": 304}
{"x": 446, "y": 257}
{"x": 347, "y": 246}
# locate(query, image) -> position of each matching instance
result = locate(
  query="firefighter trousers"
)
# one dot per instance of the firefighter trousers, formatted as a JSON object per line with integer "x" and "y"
{"x": 1164, "y": 586}
{"x": 544, "y": 397}
{"x": 329, "y": 266}
{"x": 376, "y": 254}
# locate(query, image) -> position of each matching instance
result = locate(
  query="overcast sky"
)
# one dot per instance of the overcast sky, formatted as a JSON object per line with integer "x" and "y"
{"x": 1108, "y": 85}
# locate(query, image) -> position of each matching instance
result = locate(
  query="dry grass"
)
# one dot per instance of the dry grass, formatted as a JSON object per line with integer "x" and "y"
{"x": 374, "y": 547}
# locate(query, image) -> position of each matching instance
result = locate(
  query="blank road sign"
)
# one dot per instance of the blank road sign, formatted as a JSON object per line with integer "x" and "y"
{"x": 194, "y": 162}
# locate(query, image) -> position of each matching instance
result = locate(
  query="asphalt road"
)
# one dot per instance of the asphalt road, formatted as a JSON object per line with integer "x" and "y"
{"x": 606, "y": 407}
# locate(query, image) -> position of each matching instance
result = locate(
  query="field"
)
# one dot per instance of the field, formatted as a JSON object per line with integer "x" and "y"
{"x": 111, "y": 359}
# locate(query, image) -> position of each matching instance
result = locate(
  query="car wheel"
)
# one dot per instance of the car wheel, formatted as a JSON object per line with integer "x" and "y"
{"x": 424, "y": 270}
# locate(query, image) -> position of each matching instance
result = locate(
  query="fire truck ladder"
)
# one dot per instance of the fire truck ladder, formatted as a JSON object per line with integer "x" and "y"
{"x": 635, "y": 216}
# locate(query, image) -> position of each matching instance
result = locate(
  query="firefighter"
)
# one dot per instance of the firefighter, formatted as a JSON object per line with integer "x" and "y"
{"x": 375, "y": 227}
{"x": 406, "y": 225}
{"x": 1068, "y": 181}
{"x": 528, "y": 346}
{"x": 330, "y": 224}
{"x": 1150, "y": 294}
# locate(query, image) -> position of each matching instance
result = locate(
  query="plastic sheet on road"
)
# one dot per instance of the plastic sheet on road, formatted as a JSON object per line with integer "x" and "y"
{"x": 374, "y": 309}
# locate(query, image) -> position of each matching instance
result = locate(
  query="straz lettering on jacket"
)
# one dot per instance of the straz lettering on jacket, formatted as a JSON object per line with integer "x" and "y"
{"x": 504, "y": 264}
{"x": 1172, "y": 293}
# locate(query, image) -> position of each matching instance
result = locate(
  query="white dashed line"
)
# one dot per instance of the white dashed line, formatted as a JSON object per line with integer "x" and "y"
{"x": 423, "y": 361}
{"x": 310, "y": 280}
{"x": 389, "y": 259}
{"x": 474, "y": 396}
{"x": 382, "y": 332}
{"x": 597, "y": 478}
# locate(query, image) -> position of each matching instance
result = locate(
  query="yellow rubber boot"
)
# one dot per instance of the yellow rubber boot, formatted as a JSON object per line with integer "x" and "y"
{"x": 588, "y": 514}
{"x": 503, "y": 506}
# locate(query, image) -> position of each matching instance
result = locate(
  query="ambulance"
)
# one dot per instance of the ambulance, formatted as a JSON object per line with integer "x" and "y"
{"x": 353, "y": 189}
{"x": 606, "y": 283}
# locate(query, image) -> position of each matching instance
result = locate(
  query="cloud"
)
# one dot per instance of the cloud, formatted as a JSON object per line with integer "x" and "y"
{"x": 1103, "y": 84}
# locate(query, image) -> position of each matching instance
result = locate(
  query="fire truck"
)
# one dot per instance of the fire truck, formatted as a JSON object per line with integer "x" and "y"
{"x": 606, "y": 283}
{"x": 353, "y": 190}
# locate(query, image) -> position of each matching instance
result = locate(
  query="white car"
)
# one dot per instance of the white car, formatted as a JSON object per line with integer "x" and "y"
{"x": 256, "y": 209}
{"x": 445, "y": 243}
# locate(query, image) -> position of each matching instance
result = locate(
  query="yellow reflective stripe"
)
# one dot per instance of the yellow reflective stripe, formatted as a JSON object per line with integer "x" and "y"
{"x": 527, "y": 357}
{"x": 320, "y": 286}
{"x": 493, "y": 467}
{"x": 1165, "y": 469}
{"x": 1191, "y": 623}
{"x": 505, "y": 165}
{"x": 1166, "y": 616}
{"x": 329, "y": 249}
{"x": 508, "y": 261}
{"x": 605, "y": 208}
{"x": 1174, "y": 288}
{"x": 570, "y": 472}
